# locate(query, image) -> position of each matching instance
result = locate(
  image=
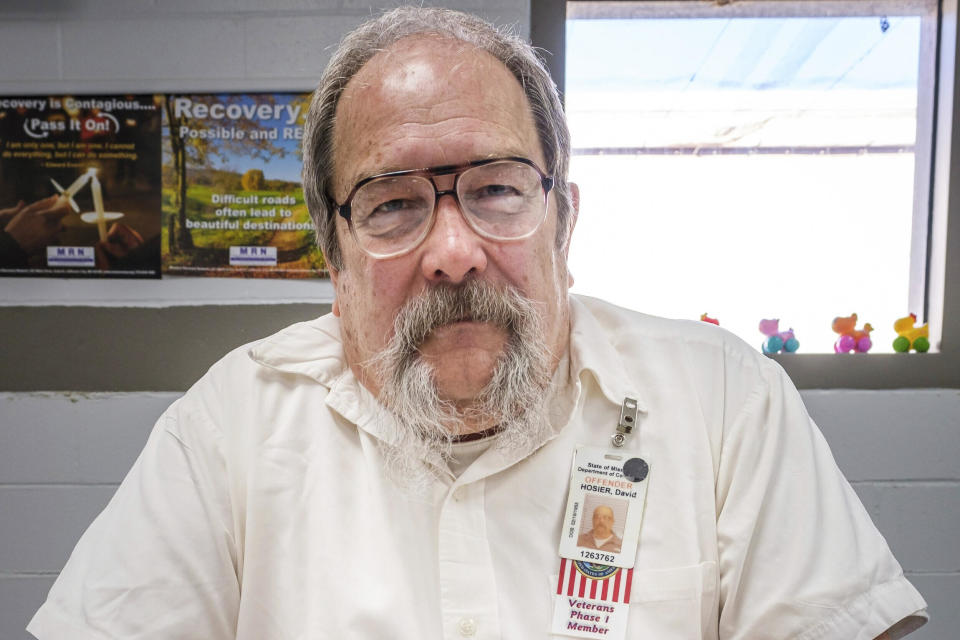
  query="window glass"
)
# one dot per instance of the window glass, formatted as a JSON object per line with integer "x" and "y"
{"x": 752, "y": 167}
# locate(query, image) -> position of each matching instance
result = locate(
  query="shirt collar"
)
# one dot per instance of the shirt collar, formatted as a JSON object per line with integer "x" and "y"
{"x": 313, "y": 349}
{"x": 592, "y": 351}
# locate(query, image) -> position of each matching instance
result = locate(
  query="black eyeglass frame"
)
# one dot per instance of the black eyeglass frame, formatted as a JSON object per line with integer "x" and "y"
{"x": 344, "y": 210}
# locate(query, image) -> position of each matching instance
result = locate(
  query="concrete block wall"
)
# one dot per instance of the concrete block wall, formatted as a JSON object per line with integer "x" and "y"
{"x": 179, "y": 45}
{"x": 899, "y": 449}
{"x": 62, "y": 454}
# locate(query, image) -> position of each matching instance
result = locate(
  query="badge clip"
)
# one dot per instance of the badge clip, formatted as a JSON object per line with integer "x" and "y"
{"x": 628, "y": 418}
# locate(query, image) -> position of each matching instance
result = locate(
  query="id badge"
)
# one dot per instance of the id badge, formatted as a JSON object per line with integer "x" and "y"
{"x": 608, "y": 490}
{"x": 601, "y": 531}
{"x": 598, "y": 546}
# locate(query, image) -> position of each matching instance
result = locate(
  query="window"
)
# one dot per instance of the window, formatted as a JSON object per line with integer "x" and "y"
{"x": 757, "y": 159}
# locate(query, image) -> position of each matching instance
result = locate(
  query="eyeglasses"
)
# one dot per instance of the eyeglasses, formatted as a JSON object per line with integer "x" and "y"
{"x": 501, "y": 199}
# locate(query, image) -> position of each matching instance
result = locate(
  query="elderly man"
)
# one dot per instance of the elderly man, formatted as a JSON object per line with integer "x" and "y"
{"x": 400, "y": 468}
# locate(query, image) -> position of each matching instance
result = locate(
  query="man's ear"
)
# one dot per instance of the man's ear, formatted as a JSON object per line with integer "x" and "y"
{"x": 571, "y": 225}
{"x": 334, "y": 277}
{"x": 575, "y": 202}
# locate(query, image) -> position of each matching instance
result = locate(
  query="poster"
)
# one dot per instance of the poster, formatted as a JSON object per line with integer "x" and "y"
{"x": 80, "y": 186}
{"x": 232, "y": 198}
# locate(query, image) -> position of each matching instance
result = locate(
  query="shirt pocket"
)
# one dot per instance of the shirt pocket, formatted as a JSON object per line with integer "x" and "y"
{"x": 676, "y": 603}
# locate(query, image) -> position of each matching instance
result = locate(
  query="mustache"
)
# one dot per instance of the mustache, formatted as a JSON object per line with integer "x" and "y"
{"x": 475, "y": 300}
{"x": 424, "y": 424}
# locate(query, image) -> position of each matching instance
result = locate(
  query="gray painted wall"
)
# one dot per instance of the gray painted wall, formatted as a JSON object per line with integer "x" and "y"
{"x": 62, "y": 454}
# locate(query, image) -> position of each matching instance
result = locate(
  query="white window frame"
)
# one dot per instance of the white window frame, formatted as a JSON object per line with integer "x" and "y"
{"x": 935, "y": 256}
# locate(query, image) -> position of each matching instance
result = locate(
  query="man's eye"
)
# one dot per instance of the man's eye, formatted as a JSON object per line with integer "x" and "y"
{"x": 494, "y": 191}
{"x": 393, "y": 218}
{"x": 392, "y": 206}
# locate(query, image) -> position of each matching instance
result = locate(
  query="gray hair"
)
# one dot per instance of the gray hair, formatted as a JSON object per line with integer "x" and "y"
{"x": 360, "y": 45}
{"x": 424, "y": 425}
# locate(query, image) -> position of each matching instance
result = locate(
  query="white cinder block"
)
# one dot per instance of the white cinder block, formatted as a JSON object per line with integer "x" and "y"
{"x": 921, "y": 522}
{"x": 293, "y": 47}
{"x": 942, "y": 593}
{"x": 40, "y": 526}
{"x": 201, "y": 6}
{"x": 87, "y": 9}
{"x": 312, "y": 6}
{"x": 147, "y": 50}
{"x": 20, "y": 597}
{"x": 74, "y": 438}
{"x": 73, "y": 10}
{"x": 499, "y": 12}
{"x": 891, "y": 435}
{"x": 29, "y": 50}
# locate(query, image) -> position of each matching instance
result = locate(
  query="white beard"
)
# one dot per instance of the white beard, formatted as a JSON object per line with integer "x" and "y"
{"x": 425, "y": 425}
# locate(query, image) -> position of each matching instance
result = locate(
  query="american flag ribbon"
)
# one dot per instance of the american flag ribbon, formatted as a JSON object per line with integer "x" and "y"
{"x": 614, "y": 587}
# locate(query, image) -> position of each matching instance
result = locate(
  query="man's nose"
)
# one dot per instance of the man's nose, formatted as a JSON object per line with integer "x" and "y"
{"x": 452, "y": 251}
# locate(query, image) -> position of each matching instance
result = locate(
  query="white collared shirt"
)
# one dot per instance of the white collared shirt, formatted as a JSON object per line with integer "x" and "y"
{"x": 599, "y": 543}
{"x": 258, "y": 509}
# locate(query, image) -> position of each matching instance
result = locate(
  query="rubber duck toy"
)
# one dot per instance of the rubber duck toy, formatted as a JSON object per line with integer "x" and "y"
{"x": 910, "y": 336}
{"x": 777, "y": 340}
{"x": 851, "y": 339}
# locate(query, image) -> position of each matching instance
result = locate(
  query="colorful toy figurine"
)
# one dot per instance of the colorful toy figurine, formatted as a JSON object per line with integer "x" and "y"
{"x": 777, "y": 340}
{"x": 910, "y": 336}
{"x": 851, "y": 339}
{"x": 707, "y": 318}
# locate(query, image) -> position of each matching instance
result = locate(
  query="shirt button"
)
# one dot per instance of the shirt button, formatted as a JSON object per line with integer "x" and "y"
{"x": 459, "y": 494}
{"x": 467, "y": 627}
